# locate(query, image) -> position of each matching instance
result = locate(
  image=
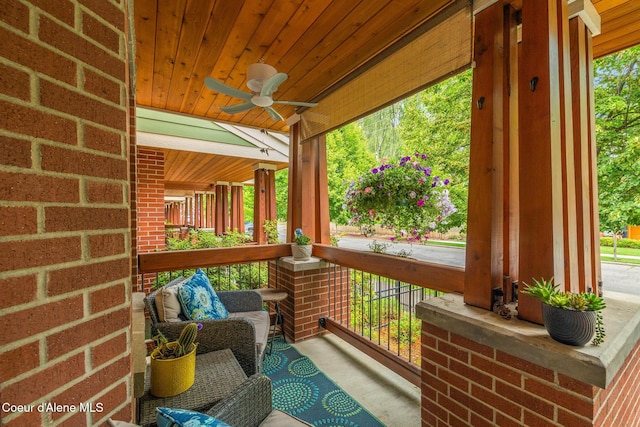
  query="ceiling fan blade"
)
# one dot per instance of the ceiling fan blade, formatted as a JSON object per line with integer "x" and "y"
{"x": 272, "y": 84}
{"x": 273, "y": 113}
{"x": 238, "y": 108}
{"x": 301, "y": 104}
{"x": 223, "y": 88}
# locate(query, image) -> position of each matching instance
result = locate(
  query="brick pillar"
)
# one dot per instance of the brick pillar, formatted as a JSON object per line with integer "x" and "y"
{"x": 306, "y": 282}
{"x": 150, "y": 204}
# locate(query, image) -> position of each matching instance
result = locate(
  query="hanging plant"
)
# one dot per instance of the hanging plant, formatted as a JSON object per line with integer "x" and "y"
{"x": 402, "y": 196}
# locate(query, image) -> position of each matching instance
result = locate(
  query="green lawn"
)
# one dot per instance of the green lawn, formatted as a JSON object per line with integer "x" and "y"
{"x": 621, "y": 251}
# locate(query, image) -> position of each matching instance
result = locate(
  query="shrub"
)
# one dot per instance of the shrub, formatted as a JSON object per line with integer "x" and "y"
{"x": 622, "y": 243}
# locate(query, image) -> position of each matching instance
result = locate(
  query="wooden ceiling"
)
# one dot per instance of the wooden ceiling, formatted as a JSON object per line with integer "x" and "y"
{"x": 317, "y": 42}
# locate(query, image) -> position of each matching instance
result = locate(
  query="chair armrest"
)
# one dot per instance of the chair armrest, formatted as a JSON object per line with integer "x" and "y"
{"x": 237, "y": 301}
{"x": 239, "y": 335}
{"x": 247, "y": 405}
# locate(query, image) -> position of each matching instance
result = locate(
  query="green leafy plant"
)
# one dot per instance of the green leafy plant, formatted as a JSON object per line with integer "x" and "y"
{"x": 301, "y": 238}
{"x": 271, "y": 230}
{"x": 404, "y": 196}
{"x": 379, "y": 247}
{"x": 547, "y": 292}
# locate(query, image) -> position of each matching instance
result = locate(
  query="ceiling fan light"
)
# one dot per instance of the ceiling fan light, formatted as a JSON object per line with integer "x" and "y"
{"x": 258, "y": 74}
{"x": 262, "y": 101}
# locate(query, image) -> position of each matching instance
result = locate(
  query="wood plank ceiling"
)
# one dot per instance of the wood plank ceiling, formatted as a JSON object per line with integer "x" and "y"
{"x": 317, "y": 42}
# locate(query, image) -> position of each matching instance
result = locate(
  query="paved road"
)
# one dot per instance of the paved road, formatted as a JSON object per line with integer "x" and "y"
{"x": 616, "y": 277}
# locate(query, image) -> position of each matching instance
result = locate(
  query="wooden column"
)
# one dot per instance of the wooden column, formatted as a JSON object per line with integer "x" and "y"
{"x": 308, "y": 187}
{"x": 532, "y": 186}
{"x": 210, "y": 210}
{"x": 264, "y": 199}
{"x": 237, "y": 207}
{"x": 222, "y": 207}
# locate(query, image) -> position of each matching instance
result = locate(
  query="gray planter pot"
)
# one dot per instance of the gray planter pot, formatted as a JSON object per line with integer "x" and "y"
{"x": 569, "y": 326}
{"x": 301, "y": 253}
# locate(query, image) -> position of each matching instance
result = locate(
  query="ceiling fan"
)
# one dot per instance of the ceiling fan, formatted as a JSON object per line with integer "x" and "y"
{"x": 263, "y": 80}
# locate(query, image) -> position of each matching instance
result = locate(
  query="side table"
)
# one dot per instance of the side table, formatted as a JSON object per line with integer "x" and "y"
{"x": 275, "y": 296}
{"x": 218, "y": 373}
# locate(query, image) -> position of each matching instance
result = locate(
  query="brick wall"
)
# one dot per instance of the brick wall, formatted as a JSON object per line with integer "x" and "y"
{"x": 150, "y": 203}
{"x": 65, "y": 265}
{"x": 467, "y": 383}
{"x": 307, "y": 285}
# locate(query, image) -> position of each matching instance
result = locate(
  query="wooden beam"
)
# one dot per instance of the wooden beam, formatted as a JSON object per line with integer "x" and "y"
{"x": 294, "y": 208}
{"x": 323, "y": 227}
{"x": 155, "y": 262}
{"x": 428, "y": 275}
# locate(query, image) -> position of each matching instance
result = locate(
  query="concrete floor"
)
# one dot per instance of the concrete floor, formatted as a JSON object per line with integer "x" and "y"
{"x": 391, "y": 398}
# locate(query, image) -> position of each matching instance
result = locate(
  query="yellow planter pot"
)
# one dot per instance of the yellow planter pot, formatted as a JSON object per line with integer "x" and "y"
{"x": 172, "y": 376}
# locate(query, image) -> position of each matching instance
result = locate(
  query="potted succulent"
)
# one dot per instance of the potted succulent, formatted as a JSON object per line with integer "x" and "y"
{"x": 173, "y": 363}
{"x": 570, "y": 318}
{"x": 302, "y": 249}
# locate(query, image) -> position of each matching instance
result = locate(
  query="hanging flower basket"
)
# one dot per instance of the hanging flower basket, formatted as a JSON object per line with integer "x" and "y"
{"x": 402, "y": 196}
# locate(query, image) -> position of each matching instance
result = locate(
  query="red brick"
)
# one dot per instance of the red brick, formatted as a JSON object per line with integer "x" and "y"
{"x": 61, "y": 9}
{"x": 15, "y": 152}
{"x": 435, "y": 357}
{"x": 77, "y": 336}
{"x": 525, "y": 400}
{"x": 532, "y": 419}
{"x": 101, "y": 86}
{"x": 104, "y": 192}
{"x": 106, "y": 11}
{"x": 79, "y": 105}
{"x": 471, "y": 374}
{"x": 35, "y": 253}
{"x": 44, "y": 382}
{"x": 498, "y": 402}
{"x": 27, "y": 285}
{"x": 566, "y": 418}
{"x": 435, "y": 409}
{"x": 15, "y": 221}
{"x": 453, "y": 407}
{"x": 19, "y": 360}
{"x": 472, "y": 346}
{"x": 95, "y": 382}
{"x": 15, "y": 83}
{"x": 106, "y": 244}
{"x": 523, "y": 365}
{"x": 434, "y": 330}
{"x": 101, "y": 33}
{"x": 85, "y": 276}
{"x": 110, "y": 401}
{"x": 477, "y": 421}
{"x": 36, "y": 319}
{"x": 580, "y": 406}
{"x": 26, "y": 121}
{"x": 576, "y": 386}
{"x": 106, "y": 298}
{"x": 102, "y": 140}
{"x": 62, "y": 218}
{"x": 454, "y": 380}
{"x": 26, "y": 419}
{"x": 504, "y": 421}
{"x": 38, "y": 188}
{"x": 104, "y": 352}
{"x": 80, "y": 48}
{"x": 500, "y": 371}
{"x": 15, "y": 14}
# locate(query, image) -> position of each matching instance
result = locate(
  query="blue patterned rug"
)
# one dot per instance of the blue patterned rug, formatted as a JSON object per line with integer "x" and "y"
{"x": 302, "y": 390}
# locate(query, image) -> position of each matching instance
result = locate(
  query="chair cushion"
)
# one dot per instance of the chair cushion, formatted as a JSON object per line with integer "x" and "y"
{"x": 168, "y": 417}
{"x": 281, "y": 419}
{"x": 198, "y": 299}
{"x": 260, "y": 320}
{"x": 167, "y": 302}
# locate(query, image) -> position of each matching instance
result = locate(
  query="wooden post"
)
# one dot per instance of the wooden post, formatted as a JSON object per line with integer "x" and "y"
{"x": 237, "y": 207}
{"x": 222, "y": 207}
{"x": 264, "y": 198}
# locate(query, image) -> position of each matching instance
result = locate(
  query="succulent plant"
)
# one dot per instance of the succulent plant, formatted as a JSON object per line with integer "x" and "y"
{"x": 174, "y": 349}
{"x": 547, "y": 292}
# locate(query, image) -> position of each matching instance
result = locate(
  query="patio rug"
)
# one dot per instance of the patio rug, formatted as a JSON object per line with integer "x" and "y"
{"x": 302, "y": 390}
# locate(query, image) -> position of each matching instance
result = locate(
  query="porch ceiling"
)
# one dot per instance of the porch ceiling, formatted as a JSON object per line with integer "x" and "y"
{"x": 319, "y": 44}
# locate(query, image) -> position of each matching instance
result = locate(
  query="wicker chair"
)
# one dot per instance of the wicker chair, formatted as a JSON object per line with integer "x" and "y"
{"x": 245, "y": 332}
{"x": 250, "y": 405}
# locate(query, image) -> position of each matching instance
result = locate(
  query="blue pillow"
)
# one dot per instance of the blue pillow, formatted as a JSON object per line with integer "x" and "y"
{"x": 167, "y": 417}
{"x": 198, "y": 299}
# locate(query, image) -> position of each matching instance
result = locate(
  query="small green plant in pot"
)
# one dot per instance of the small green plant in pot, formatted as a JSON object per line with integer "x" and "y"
{"x": 570, "y": 318}
{"x": 302, "y": 249}
{"x": 173, "y": 363}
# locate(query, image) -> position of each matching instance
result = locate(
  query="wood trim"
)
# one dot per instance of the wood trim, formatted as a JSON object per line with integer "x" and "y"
{"x": 323, "y": 224}
{"x": 428, "y": 275}
{"x": 294, "y": 208}
{"x": 155, "y": 262}
{"x": 259, "y": 206}
{"x": 308, "y": 174}
{"x": 405, "y": 369}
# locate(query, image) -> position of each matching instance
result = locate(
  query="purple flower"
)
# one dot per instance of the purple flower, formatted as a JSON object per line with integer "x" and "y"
{"x": 200, "y": 326}
{"x": 374, "y": 170}
{"x": 446, "y": 182}
{"x": 420, "y": 203}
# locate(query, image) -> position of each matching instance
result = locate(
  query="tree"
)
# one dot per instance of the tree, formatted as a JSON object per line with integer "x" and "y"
{"x": 617, "y": 104}
{"x": 437, "y": 122}
{"x": 347, "y": 159}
